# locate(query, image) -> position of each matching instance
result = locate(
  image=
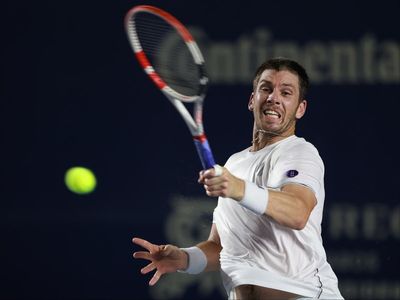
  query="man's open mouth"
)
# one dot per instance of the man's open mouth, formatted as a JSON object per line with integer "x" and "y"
{"x": 269, "y": 112}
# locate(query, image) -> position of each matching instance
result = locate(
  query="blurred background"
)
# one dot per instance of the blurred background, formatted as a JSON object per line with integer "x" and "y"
{"x": 73, "y": 94}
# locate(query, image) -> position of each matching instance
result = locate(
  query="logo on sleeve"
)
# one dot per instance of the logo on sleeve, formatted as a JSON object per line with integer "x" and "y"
{"x": 292, "y": 173}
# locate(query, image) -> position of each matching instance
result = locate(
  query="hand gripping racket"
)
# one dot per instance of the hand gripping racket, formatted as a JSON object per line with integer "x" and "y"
{"x": 171, "y": 58}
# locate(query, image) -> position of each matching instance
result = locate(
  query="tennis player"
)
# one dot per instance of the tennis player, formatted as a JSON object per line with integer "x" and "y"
{"x": 266, "y": 233}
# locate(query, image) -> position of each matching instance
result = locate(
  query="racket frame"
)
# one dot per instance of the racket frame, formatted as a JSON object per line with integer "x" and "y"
{"x": 195, "y": 123}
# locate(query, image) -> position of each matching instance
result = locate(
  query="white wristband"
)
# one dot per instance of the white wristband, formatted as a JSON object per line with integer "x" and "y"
{"x": 255, "y": 198}
{"x": 197, "y": 261}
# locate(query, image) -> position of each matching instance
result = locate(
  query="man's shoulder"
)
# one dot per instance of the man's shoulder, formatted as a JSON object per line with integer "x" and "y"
{"x": 300, "y": 143}
{"x": 239, "y": 155}
{"x": 298, "y": 146}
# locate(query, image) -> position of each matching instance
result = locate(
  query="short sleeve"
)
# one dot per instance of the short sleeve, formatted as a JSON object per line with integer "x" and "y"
{"x": 300, "y": 165}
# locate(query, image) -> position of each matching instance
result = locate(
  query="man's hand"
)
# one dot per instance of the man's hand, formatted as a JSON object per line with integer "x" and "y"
{"x": 163, "y": 258}
{"x": 225, "y": 185}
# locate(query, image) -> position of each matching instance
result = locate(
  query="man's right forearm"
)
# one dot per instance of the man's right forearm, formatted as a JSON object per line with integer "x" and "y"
{"x": 211, "y": 249}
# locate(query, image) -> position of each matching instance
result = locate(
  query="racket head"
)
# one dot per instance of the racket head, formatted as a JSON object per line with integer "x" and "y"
{"x": 167, "y": 53}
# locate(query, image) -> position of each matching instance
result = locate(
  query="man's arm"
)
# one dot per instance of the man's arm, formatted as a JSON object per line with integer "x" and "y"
{"x": 212, "y": 248}
{"x": 290, "y": 207}
{"x": 169, "y": 258}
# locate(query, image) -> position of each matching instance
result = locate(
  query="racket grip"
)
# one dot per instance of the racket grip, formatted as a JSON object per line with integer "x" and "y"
{"x": 204, "y": 151}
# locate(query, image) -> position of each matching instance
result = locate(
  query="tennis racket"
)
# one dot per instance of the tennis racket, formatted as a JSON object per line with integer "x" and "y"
{"x": 171, "y": 58}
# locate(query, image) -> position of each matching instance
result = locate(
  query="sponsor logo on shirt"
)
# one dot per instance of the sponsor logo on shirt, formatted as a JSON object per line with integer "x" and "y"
{"x": 292, "y": 173}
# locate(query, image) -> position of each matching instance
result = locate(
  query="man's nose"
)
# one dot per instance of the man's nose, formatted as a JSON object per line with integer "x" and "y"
{"x": 273, "y": 98}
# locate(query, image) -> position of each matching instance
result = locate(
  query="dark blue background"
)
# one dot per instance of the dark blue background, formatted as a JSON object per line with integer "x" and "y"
{"x": 72, "y": 93}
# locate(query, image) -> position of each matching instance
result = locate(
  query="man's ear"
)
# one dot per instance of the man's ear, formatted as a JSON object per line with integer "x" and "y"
{"x": 301, "y": 109}
{"x": 251, "y": 102}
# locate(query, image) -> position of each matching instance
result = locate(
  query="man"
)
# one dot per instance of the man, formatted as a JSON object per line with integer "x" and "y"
{"x": 266, "y": 233}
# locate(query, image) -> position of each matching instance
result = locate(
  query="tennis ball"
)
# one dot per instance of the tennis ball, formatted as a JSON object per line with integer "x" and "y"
{"x": 80, "y": 180}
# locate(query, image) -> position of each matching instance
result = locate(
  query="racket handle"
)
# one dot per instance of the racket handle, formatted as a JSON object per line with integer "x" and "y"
{"x": 204, "y": 151}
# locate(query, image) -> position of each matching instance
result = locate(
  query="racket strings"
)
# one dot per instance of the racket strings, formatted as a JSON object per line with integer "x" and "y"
{"x": 168, "y": 53}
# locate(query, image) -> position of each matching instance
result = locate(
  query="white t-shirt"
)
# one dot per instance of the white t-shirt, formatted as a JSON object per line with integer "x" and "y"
{"x": 259, "y": 251}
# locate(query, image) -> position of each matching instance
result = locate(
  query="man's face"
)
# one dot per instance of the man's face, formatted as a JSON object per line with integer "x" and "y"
{"x": 275, "y": 102}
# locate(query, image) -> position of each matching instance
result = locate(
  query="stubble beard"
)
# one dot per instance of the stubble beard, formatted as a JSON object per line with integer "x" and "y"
{"x": 284, "y": 131}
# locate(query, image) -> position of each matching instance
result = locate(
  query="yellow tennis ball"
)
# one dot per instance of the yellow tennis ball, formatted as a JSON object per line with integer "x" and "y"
{"x": 80, "y": 180}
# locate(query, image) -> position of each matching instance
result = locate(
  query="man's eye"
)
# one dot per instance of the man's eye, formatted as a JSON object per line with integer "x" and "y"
{"x": 265, "y": 89}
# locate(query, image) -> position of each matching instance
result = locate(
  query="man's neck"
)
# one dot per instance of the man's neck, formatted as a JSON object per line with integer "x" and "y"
{"x": 262, "y": 139}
